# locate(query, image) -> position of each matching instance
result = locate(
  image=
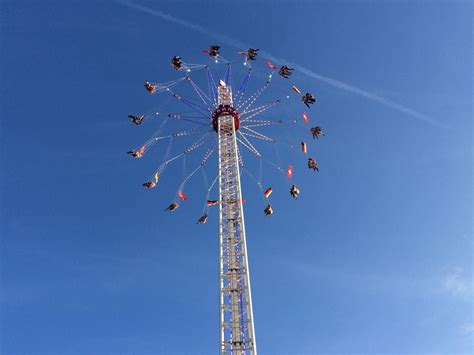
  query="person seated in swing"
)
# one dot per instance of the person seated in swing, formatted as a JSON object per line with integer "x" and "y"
{"x": 285, "y": 72}
{"x": 136, "y": 120}
{"x": 176, "y": 62}
{"x": 294, "y": 191}
{"x": 313, "y": 164}
{"x": 202, "y": 219}
{"x": 214, "y": 51}
{"x": 149, "y": 184}
{"x": 150, "y": 88}
{"x": 172, "y": 207}
{"x": 268, "y": 210}
{"x": 316, "y": 132}
{"x": 308, "y": 99}
{"x": 135, "y": 153}
{"x": 252, "y": 54}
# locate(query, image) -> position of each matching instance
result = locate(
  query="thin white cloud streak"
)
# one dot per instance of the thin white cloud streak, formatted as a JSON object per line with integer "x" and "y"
{"x": 308, "y": 72}
{"x": 456, "y": 284}
{"x": 468, "y": 329}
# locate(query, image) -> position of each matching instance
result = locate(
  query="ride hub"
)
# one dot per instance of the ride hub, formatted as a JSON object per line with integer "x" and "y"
{"x": 224, "y": 110}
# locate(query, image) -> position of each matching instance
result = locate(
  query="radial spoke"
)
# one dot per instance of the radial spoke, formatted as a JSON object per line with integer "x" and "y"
{"x": 255, "y": 134}
{"x": 206, "y": 100}
{"x": 249, "y": 102}
{"x": 240, "y": 93}
{"x": 212, "y": 86}
{"x": 260, "y": 123}
{"x": 195, "y": 107}
{"x": 246, "y": 143}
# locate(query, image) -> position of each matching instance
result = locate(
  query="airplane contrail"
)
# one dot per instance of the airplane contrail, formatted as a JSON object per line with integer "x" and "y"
{"x": 308, "y": 72}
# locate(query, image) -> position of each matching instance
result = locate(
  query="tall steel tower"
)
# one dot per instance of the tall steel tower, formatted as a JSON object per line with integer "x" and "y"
{"x": 236, "y": 324}
{"x": 237, "y": 333}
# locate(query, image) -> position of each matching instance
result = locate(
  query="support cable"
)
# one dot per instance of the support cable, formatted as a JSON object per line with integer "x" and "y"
{"x": 154, "y": 138}
{"x": 240, "y": 93}
{"x": 204, "y": 98}
{"x": 258, "y": 135}
{"x": 206, "y": 206}
{"x": 259, "y": 184}
{"x": 245, "y": 142}
{"x": 212, "y": 86}
{"x": 189, "y": 149}
{"x": 161, "y": 168}
{"x": 260, "y": 123}
{"x": 228, "y": 75}
{"x": 189, "y": 67}
{"x": 195, "y": 107}
{"x": 162, "y": 87}
{"x": 249, "y": 102}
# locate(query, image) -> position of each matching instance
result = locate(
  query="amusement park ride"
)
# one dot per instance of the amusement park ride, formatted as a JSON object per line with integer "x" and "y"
{"x": 230, "y": 121}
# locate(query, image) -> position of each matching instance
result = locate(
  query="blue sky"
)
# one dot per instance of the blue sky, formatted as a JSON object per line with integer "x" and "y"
{"x": 374, "y": 257}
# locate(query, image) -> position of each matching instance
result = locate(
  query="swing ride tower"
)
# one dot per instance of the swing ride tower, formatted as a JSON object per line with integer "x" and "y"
{"x": 231, "y": 122}
{"x": 237, "y": 333}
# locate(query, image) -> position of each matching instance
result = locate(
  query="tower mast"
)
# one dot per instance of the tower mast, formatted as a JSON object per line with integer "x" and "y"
{"x": 237, "y": 333}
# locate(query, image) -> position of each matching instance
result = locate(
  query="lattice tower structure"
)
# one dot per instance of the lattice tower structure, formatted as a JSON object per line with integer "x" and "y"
{"x": 237, "y": 332}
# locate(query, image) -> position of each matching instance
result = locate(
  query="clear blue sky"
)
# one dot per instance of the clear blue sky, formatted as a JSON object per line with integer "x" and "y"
{"x": 375, "y": 257}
